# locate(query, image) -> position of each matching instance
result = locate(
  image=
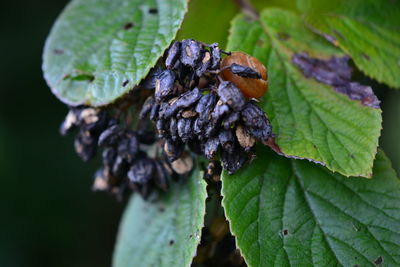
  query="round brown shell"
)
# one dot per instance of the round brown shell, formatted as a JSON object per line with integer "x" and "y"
{"x": 251, "y": 88}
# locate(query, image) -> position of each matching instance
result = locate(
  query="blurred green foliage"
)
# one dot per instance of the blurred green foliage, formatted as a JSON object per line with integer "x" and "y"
{"x": 50, "y": 217}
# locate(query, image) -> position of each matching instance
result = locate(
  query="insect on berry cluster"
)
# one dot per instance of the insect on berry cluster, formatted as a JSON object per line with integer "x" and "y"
{"x": 193, "y": 102}
{"x": 197, "y": 103}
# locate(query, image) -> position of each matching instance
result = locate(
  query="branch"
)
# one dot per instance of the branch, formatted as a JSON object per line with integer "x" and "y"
{"x": 247, "y": 8}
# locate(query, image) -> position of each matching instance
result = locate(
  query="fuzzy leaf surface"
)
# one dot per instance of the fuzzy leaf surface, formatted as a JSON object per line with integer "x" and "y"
{"x": 165, "y": 232}
{"x": 310, "y": 119}
{"x": 287, "y": 212}
{"x": 98, "y": 50}
{"x": 367, "y": 30}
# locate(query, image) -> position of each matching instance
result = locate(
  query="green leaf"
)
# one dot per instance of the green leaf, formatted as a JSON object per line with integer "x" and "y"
{"x": 208, "y": 21}
{"x": 165, "y": 232}
{"x": 367, "y": 30}
{"x": 287, "y": 212}
{"x": 113, "y": 44}
{"x": 311, "y": 120}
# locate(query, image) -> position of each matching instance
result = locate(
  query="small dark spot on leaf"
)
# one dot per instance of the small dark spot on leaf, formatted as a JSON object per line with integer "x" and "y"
{"x": 128, "y": 25}
{"x": 161, "y": 209}
{"x": 285, "y": 232}
{"x": 125, "y": 83}
{"x": 171, "y": 242}
{"x": 365, "y": 56}
{"x": 58, "y": 51}
{"x": 351, "y": 156}
{"x": 153, "y": 10}
{"x": 80, "y": 77}
{"x": 260, "y": 42}
{"x": 379, "y": 260}
{"x": 283, "y": 36}
{"x": 190, "y": 236}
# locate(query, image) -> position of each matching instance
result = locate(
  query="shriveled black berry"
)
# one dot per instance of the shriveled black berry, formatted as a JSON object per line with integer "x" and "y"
{"x": 120, "y": 167}
{"x": 244, "y": 71}
{"x": 173, "y": 54}
{"x": 204, "y": 107}
{"x": 141, "y": 171}
{"x": 150, "y": 81}
{"x": 173, "y": 129}
{"x": 231, "y": 95}
{"x": 227, "y": 140}
{"x": 213, "y": 170}
{"x": 154, "y": 112}
{"x": 101, "y": 182}
{"x": 185, "y": 131}
{"x": 110, "y": 136}
{"x": 164, "y": 85}
{"x": 91, "y": 119}
{"x": 128, "y": 147}
{"x": 147, "y": 107}
{"x": 173, "y": 149}
{"x": 85, "y": 145}
{"x": 161, "y": 126}
{"x": 231, "y": 119}
{"x": 69, "y": 123}
{"x": 190, "y": 53}
{"x": 198, "y": 127}
{"x": 216, "y": 56}
{"x": 185, "y": 100}
{"x": 232, "y": 162}
{"x": 211, "y": 147}
{"x": 256, "y": 122}
{"x": 109, "y": 155}
{"x": 217, "y": 115}
{"x": 204, "y": 64}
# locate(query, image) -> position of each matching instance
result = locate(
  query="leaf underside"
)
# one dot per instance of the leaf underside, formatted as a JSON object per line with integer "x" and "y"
{"x": 98, "y": 50}
{"x": 310, "y": 119}
{"x": 165, "y": 232}
{"x": 367, "y": 30}
{"x": 287, "y": 212}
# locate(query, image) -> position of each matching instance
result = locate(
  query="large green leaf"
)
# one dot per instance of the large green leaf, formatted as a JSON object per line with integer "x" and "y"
{"x": 165, "y": 232}
{"x": 287, "y": 212}
{"x": 368, "y": 30}
{"x": 311, "y": 120}
{"x": 99, "y": 49}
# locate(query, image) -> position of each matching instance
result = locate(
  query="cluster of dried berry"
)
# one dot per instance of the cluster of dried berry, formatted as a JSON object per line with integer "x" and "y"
{"x": 125, "y": 165}
{"x": 200, "y": 101}
{"x": 193, "y": 105}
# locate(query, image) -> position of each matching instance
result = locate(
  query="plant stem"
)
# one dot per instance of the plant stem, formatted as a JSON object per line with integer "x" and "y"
{"x": 247, "y": 8}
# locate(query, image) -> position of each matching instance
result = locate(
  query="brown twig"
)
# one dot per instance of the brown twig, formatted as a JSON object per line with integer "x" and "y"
{"x": 247, "y": 8}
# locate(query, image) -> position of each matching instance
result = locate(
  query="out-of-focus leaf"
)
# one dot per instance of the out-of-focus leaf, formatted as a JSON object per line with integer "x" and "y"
{"x": 98, "y": 49}
{"x": 165, "y": 232}
{"x": 287, "y": 212}
{"x": 208, "y": 21}
{"x": 310, "y": 119}
{"x": 368, "y": 30}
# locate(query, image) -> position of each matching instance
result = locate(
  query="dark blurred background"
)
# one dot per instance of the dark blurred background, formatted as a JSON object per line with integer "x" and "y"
{"x": 49, "y": 216}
